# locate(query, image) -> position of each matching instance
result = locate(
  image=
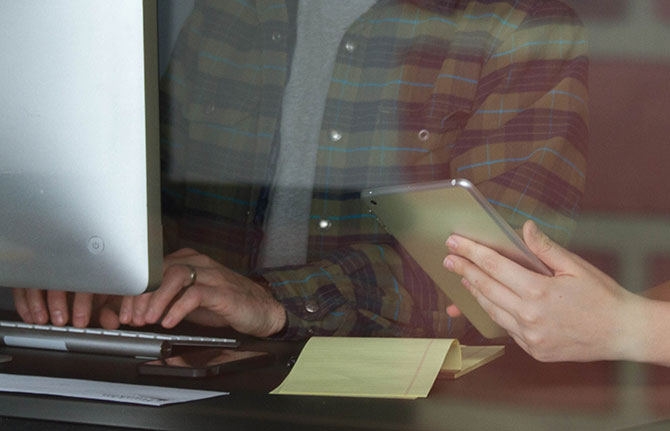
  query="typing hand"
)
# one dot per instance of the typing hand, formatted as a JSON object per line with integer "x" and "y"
{"x": 200, "y": 290}
{"x": 39, "y": 307}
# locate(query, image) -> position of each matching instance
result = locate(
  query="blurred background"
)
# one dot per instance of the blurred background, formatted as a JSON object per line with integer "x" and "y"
{"x": 625, "y": 224}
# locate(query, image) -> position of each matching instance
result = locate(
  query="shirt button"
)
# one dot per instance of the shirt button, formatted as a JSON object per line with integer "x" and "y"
{"x": 325, "y": 224}
{"x": 209, "y": 109}
{"x": 350, "y": 47}
{"x": 276, "y": 36}
{"x": 311, "y": 306}
{"x": 424, "y": 135}
{"x": 335, "y": 135}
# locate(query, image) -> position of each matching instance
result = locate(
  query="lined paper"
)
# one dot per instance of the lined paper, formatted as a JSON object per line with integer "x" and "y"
{"x": 370, "y": 367}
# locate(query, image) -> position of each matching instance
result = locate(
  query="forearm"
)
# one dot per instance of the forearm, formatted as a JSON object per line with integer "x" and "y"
{"x": 648, "y": 323}
{"x": 362, "y": 290}
{"x": 322, "y": 300}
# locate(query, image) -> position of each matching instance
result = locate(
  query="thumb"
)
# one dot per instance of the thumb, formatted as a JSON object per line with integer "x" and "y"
{"x": 553, "y": 255}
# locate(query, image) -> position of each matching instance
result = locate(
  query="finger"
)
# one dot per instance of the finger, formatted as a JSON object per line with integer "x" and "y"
{"x": 21, "y": 305}
{"x": 553, "y": 255}
{"x": 81, "y": 309}
{"x": 37, "y": 307}
{"x": 140, "y": 309}
{"x": 189, "y": 301}
{"x": 499, "y": 315}
{"x": 58, "y": 309}
{"x": 484, "y": 284}
{"x": 512, "y": 275}
{"x": 185, "y": 256}
{"x": 108, "y": 317}
{"x": 100, "y": 300}
{"x": 559, "y": 259}
{"x": 126, "y": 310}
{"x": 453, "y": 311}
{"x": 174, "y": 280}
{"x": 106, "y": 310}
{"x": 183, "y": 252}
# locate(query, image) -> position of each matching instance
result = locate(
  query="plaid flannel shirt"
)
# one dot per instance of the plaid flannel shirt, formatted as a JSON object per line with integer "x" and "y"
{"x": 491, "y": 91}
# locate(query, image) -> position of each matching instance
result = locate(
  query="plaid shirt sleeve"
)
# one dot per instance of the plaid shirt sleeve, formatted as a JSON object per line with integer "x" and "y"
{"x": 523, "y": 145}
{"x": 364, "y": 289}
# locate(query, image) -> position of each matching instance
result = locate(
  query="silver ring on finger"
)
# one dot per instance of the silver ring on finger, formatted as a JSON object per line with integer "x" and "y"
{"x": 193, "y": 276}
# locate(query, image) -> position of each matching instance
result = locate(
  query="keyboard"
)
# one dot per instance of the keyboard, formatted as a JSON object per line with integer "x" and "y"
{"x": 101, "y": 341}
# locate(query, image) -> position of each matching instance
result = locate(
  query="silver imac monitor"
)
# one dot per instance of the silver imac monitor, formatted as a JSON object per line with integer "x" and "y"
{"x": 79, "y": 169}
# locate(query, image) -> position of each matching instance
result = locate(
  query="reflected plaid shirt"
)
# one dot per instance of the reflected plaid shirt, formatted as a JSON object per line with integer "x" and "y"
{"x": 491, "y": 91}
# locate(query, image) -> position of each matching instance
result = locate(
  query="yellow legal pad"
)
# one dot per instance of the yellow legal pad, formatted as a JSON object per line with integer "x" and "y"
{"x": 380, "y": 367}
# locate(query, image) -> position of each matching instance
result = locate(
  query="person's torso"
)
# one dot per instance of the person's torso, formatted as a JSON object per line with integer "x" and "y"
{"x": 403, "y": 84}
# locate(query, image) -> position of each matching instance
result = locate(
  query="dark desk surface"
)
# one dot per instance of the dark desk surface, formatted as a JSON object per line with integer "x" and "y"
{"x": 513, "y": 392}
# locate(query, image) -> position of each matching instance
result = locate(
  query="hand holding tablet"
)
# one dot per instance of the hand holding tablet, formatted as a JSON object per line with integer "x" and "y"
{"x": 422, "y": 216}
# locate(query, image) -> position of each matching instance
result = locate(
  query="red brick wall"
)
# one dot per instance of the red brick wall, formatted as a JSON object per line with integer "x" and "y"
{"x": 663, "y": 10}
{"x": 629, "y": 160}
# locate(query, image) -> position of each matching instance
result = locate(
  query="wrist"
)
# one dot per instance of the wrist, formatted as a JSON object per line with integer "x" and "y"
{"x": 629, "y": 337}
{"x": 276, "y": 317}
{"x": 280, "y": 322}
{"x": 641, "y": 334}
{"x": 654, "y": 344}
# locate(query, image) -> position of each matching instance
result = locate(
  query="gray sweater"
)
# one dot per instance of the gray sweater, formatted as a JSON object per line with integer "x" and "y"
{"x": 321, "y": 26}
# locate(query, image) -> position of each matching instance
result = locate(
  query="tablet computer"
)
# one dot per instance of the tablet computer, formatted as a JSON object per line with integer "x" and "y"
{"x": 422, "y": 216}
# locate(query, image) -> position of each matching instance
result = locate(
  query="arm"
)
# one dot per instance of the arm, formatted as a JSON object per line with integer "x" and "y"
{"x": 579, "y": 314}
{"x": 375, "y": 289}
{"x": 523, "y": 145}
{"x": 653, "y": 345}
{"x": 363, "y": 289}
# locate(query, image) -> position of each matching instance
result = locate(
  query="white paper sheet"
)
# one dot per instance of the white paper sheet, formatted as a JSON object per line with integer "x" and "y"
{"x": 95, "y": 390}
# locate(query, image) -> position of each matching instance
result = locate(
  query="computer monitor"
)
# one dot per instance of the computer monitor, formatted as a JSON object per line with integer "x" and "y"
{"x": 79, "y": 170}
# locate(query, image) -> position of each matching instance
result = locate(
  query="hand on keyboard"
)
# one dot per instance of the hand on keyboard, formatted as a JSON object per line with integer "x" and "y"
{"x": 217, "y": 297}
{"x": 194, "y": 288}
{"x": 40, "y": 307}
